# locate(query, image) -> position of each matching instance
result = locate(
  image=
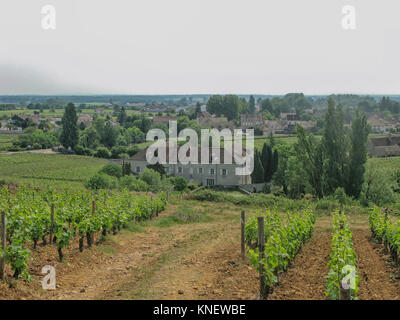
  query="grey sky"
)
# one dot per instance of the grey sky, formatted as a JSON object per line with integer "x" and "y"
{"x": 199, "y": 46}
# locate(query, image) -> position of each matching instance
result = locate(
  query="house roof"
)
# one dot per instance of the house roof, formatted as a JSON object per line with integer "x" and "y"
{"x": 219, "y": 154}
{"x": 385, "y": 141}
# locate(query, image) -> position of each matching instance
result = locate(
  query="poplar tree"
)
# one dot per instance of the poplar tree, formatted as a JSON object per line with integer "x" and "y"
{"x": 69, "y": 135}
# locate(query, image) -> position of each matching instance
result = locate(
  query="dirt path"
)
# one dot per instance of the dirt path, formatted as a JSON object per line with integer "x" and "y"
{"x": 305, "y": 278}
{"x": 377, "y": 276}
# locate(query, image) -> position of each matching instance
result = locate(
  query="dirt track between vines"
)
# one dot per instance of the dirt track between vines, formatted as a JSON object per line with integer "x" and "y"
{"x": 198, "y": 261}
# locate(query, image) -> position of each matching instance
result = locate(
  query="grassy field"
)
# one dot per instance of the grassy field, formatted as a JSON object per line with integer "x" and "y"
{"x": 392, "y": 163}
{"x": 68, "y": 171}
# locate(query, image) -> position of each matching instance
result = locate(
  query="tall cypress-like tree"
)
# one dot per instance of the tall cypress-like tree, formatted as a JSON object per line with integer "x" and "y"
{"x": 252, "y": 105}
{"x": 257, "y": 175}
{"x": 335, "y": 146}
{"x": 358, "y": 154}
{"x": 69, "y": 135}
{"x": 266, "y": 160}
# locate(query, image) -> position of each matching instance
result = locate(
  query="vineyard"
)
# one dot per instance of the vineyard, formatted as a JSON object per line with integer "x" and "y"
{"x": 55, "y": 217}
{"x": 99, "y": 254}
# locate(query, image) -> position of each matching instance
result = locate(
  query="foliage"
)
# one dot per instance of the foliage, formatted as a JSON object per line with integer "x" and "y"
{"x": 112, "y": 169}
{"x": 102, "y": 152}
{"x": 342, "y": 255}
{"x": 179, "y": 183}
{"x": 378, "y": 185}
{"x": 69, "y": 135}
{"x": 101, "y": 181}
{"x": 283, "y": 241}
{"x": 152, "y": 178}
{"x": 28, "y": 217}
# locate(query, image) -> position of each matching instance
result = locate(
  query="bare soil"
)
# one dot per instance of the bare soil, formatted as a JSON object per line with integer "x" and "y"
{"x": 305, "y": 278}
{"x": 377, "y": 274}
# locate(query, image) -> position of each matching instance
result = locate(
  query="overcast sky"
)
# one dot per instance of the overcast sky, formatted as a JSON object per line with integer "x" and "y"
{"x": 199, "y": 46}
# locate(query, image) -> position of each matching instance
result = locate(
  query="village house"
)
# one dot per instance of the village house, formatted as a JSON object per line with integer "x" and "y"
{"x": 251, "y": 120}
{"x": 99, "y": 111}
{"x": 207, "y": 120}
{"x": 290, "y": 116}
{"x": 384, "y": 146}
{"x": 164, "y": 119}
{"x": 380, "y": 125}
{"x": 54, "y": 120}
{"x": 211, "y": 174}
{"x": 85, "y": 119}
{"x": 274, "y": 127}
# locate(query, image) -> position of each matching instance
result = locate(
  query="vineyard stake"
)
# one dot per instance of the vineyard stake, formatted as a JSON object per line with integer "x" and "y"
{"x": 52, "y": 223}
{"x": 242, "y": 222}
{"x": 261, "y": 248}
{"x": 93, "y": 213}
{"x": 3, "y": 244}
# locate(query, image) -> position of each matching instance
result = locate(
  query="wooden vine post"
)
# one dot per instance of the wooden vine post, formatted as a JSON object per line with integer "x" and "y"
{"x": 3, "y": 244}
{"x": 261, "y": 250}
{"x": 93, "y": 213}
{"x": 52, "y": 223}
{"x": 242, "y": 224}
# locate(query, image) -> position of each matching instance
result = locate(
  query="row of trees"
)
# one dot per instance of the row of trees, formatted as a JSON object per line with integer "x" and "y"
{"x": 230, "y": 106}
{"x": 338, "y": 158}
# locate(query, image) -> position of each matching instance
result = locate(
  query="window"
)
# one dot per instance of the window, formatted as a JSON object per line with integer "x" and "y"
{"x": 224, "y": 172}
{"x": 137, "y": 169}
{"x": 180, "y": 170}
{"x": 210, "y": 182}
{"x": 200, "y": 170}
{"x": 212, "y": 171}
{"x": 191, "y": 170}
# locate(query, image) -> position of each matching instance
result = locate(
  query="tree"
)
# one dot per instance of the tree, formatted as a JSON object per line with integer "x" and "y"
{"x": 109, "y": 135}
{"x": 257, "y": 175}
{"x": 69, "y": 135}
{"x": 266, "y": 161}
{"x": 252, "y": 105}
{"x": 335, "y": 147}
{"x": 157, "y": 167}
{"x": 310, "y": 153}
{"x": 285, "y": 152}
{"x": 122, "y": 116}
{"x": 266, "y": 105}
{"x": 296, "y": 184}
{"x": 358, "y": 155}
{"x": 378, "y": 185}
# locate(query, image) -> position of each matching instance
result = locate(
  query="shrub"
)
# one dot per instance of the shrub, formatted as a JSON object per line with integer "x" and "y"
{"x": 101, "y": 181}
{"x": 192, "y": 186}
{"x": 180, "y": 183}
{"x": 112, "y": 169}
{"x": 83, "y": 151}
{"x": 152, "y": 178}
{"x": 133, "y": 184}
{"x": 102, "y": 152}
